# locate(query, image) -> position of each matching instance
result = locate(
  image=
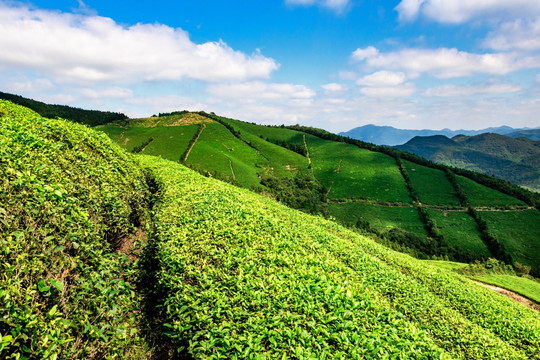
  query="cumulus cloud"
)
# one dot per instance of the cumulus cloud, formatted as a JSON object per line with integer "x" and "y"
{"x": 257, "y": 90}
{"x": 468, "y": 90}
{"x": 365, "y": 53}
{"x": 110, "y": 93}
{"x": 78, "y": 47}
{"x": 334, "y": 5}
{"x": 27, "y": 86}
{"x": 445, "y": 62}
{"x": 516, "y": 35}
{"x": 406, "y": 89}
{"x": 382, "y": 78}
{"x": 460, "y": 11}
{"x": 334, "y": 87}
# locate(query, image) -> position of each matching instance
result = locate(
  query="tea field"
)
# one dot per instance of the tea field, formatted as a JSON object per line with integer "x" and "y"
{"x": 110, "y": 255}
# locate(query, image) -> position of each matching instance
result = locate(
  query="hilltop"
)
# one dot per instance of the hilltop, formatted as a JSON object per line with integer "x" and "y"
{"x": 112, "y": 255}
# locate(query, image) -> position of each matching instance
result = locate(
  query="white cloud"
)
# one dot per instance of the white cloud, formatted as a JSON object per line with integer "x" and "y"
{"x": 362, "y": 54}
{"x": 107, "y": 93}
{"x": 139, "y": 106}
{"x": 538, "y": 78}
{"x": 460, "y": 11}
{"x": 257, "y": 91}
{"x": 517, "y": 35}
{"x": 382, "y": 78}
{"x": 448, "y": 63}
{"x": 334, "y": 87}
{"x": 77, "y": 47}
{"x": 334, "y": 5}
{"x": 389, "y": 91}
{"x": 468, "y": 90}
{"x": 27, "y": 86}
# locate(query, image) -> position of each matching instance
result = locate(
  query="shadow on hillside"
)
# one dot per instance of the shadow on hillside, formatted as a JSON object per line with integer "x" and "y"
{"x": 154, "y": 318}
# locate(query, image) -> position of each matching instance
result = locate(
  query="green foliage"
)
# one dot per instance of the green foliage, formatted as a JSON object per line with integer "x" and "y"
{"x": 352, "y": 173}
{"x": 482, "y": 196}
{"x": 380, "y": 217}
{"x": 431, "y": 185}
{"x": 87, "y": 117}
{"x": 243, "y": 277}
{"x": 302, "y": 192}
{"x": 357, "y": 176}
{"x": 225, "y": 273}
{"x": 137, "y": 149}
{"x": 521, "y": 242}
{"x": 460, "y": 231}
{"x": 68, "y": 198}
{"x": 523, "y": 286}
{"x": 170, "y": 142}
{"x": 496, "y": 248}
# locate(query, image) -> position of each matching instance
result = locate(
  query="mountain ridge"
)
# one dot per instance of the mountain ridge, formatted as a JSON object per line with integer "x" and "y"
{"x": 391, "y": 136}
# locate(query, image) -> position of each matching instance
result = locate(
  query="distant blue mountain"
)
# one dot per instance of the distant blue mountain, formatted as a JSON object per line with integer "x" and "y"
{"x": 388, "y": 135}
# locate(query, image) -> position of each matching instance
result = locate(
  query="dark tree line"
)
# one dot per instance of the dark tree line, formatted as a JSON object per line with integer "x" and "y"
{"x": 87, "y": 117}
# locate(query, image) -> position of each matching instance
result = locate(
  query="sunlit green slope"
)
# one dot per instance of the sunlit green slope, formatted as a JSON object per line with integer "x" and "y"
{"x": 242, "y": 276}
{"x": 357, "y": 184}
{"x": 70, "y": 202}
{"x": 107, "y": 256}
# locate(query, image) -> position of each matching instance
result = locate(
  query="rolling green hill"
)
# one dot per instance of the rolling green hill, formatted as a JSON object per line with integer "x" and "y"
{"x": 112, "y": 255}
{"x": 360, "y": 185}
{"x": 513, "y": 159}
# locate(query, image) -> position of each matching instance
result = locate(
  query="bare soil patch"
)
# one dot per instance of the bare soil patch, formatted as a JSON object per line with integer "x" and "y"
{"x": 512, "y": 295}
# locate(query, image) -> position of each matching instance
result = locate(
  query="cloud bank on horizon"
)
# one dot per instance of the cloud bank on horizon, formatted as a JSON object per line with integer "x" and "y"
{"x": 419, "y": 63}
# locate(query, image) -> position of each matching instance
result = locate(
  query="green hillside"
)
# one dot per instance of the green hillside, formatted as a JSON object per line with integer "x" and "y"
{"x": 109, "y": 255}
{"x": 512, "y": 159}
{"x": 360, "y": 185}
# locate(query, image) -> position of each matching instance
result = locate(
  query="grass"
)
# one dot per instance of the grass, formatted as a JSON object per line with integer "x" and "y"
{"x": 431, "y": 185}
{"x": 218, "y": 150}
{"x": 447, "y": 265}
{"x": 350, "y": 172}
{"x": 381, "y": 218}
{"x": 169, "y": 142}
{"x": 459, "y": 229}
{"x": 273, "y": 134}
{"x": 275, "y": 159}
{"x": 518, "y": 231}
{"x": 482, "y": 196}
{"x": 520, "y": 285}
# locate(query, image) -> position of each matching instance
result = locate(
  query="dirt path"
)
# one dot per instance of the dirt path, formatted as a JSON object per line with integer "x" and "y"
{"x": 512, "y": 295}
{"x": 194, "y": 141}
{"x": 339, "y": 166}
{"x": 307, "y": 153}
{"x": 232, "y": 171}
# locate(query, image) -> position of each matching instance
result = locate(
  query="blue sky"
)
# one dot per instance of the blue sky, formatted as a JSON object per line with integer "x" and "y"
{"x": 334, "y": 64}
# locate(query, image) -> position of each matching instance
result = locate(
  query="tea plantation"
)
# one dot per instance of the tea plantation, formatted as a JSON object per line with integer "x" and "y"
{"x": 109, "y": 255}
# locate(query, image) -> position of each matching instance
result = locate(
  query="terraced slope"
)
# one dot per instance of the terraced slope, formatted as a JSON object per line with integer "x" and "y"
{"x": 224, "y": 273}
{"x": 360, "y": 186}
{"x": 243, "y": 276}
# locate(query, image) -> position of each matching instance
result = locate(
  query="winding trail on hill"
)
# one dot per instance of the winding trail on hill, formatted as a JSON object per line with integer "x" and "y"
{"x": 512, "y": 295}
{"x": 203, "y": 126}
{"x": 307, "y": 153}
